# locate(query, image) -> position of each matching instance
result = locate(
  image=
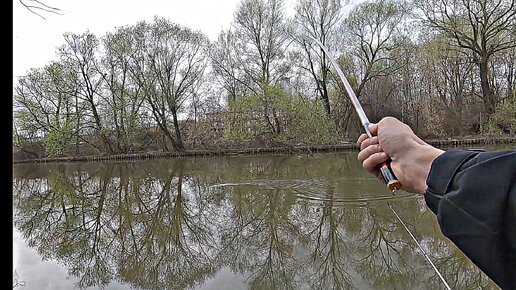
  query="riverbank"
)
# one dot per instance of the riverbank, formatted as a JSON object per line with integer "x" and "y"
{"x": 297, "y": 149}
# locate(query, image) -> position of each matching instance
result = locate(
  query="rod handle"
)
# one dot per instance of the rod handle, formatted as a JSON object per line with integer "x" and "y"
{"x": 388, "y": 176}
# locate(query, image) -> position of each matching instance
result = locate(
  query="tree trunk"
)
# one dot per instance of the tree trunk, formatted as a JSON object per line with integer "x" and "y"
{"x": 326, "y": 99}
{"x": 277, "y": 122}
{"x": 179, "y": 142}
{"x": 487, "y": 94}
{"x": 168, "y": 136}
{"x": 105, "y": 139}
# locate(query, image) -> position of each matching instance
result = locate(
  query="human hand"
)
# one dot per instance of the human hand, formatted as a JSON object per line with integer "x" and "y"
{"x": 411, "y": 158}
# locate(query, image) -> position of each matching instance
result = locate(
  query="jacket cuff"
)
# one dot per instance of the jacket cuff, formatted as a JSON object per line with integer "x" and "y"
{"x": 441, "y": 174}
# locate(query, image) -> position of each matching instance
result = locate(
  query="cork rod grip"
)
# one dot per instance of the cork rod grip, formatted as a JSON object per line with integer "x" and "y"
{"x": 388, "y": 176}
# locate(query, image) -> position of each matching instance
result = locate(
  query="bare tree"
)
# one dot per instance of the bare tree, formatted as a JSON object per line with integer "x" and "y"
{"x": 227, "y": 66}
{"x": 262, "y": 36}
{"x": 260, "y": 28}
{"x": 372, "y": 29}
{"x": 319, "y": 20}
{"x": 481, "y": 27}
{"x": 448, "y": 75}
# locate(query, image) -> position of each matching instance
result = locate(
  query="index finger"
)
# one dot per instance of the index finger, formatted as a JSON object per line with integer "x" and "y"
{"x": 361, "y": 139}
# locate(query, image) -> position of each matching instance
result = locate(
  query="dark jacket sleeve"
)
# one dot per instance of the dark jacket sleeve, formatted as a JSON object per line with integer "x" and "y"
{"x": 474, "y": 197}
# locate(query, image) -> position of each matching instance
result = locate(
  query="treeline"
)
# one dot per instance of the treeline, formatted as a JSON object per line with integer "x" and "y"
{"x": 445, "y": 67}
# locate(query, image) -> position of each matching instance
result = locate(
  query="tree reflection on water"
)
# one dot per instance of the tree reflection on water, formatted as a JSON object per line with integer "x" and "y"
{"x": 175, "y": 223}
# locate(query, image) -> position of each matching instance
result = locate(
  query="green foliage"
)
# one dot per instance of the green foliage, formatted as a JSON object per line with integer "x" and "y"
{"x": 24, "y": 127}
{"x": 58, "y": 140}
{"x": 307, "y": 120}
{"x": 504, "y": 119}
{"x": 278, "y": 116}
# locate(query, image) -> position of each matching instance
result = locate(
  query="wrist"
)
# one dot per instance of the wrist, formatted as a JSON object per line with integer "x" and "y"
{"x": 413, "y": 166}
{"x": 425, "y": 160}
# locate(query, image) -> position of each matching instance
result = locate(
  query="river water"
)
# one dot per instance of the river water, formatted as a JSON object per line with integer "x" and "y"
{"x": 262, "y": 222}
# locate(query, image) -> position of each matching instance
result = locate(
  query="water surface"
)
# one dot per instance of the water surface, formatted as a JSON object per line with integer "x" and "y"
{"x": 265, "y": 222}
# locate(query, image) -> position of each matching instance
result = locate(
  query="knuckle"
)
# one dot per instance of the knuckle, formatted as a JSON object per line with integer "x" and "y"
{"x": 363, "y": 145}
{"x": 388, "y": 119}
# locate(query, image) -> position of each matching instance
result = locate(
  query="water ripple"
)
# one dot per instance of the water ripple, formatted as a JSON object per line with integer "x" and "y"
{"x": 338, "y": 191}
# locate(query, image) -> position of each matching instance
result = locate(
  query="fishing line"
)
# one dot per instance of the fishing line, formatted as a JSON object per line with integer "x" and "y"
{"x": 419, "y": 245}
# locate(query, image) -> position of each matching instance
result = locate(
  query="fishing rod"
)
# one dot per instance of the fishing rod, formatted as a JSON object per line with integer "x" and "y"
{"x": 388, "y": 176}
{"x": 385, "y": 170}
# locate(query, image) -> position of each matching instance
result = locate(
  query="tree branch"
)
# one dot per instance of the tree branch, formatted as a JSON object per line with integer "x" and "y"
{"x": 43, "y": 7}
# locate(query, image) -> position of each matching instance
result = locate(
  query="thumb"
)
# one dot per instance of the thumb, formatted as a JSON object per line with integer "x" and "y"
{"x": 373, "y": 128}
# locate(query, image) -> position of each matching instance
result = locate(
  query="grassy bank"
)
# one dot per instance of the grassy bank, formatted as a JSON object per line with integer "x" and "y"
{"x": 298, "y": 149}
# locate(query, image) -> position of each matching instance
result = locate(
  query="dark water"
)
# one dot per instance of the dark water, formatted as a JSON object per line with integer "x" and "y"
{"x": 268, "y": 222}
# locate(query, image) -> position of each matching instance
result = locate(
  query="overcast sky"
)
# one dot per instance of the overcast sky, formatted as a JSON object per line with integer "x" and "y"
{"x": 35, "y": 40}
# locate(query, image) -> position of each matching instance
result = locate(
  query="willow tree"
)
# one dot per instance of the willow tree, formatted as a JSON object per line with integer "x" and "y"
{"x": 482, "y": 28}
{"x": 81, "y": 54}
{"x": 122, "y": 95}
{"x": 169, "y": 65}
{"x": 260, "y": 42}
{"x": 45, "y": 106}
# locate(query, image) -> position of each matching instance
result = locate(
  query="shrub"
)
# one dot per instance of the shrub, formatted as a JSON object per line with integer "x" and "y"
{"x": 504, "y": 119}
{"x": 279, "y": 116}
